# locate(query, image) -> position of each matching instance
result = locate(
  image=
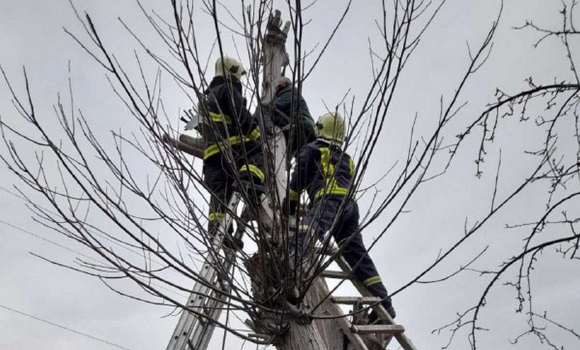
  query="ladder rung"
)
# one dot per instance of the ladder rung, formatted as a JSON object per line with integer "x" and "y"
{"x": 354, "y": 300}
{"x": 260, "y": 335}
{"x": 336, "y": 274}
{"x": 327, "y": 251}
{"x": 378, "y": 328}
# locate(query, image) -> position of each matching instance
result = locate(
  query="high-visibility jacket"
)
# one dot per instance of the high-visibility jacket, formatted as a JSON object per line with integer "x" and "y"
{"x": 226, "y": 121}
{"x": 322, "y": 169}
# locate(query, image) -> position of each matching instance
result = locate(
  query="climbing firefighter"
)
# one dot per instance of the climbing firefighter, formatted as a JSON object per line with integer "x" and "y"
{"x": 326, "y": 173}
{"x": 291, "y": 114}
{"x": 232, "y": 149}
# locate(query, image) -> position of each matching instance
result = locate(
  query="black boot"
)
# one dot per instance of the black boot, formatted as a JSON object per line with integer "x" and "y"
{"x": 374, "y": 317}
{"x": 233, "y": 242}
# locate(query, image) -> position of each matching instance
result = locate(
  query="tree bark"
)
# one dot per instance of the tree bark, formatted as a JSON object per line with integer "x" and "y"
{"x": 297, "y": 333}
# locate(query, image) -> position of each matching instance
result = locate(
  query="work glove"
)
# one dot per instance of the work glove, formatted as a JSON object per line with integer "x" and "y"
{"x": 289, "y": 207}
{"x": 193, "y": 121}
{"x": 268, "y": 124}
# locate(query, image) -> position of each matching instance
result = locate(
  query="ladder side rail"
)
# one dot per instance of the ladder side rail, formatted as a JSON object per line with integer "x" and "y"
{"x": 193, "y": 328}
{"x": 354, "y": 338}
{"x": 403, "y": 340}
{"x": 204, "y": 331}
{"x": 202, "y": 292}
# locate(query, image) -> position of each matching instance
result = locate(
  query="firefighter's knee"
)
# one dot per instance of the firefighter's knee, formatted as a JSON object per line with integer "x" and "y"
{"x": 252, "y": 173}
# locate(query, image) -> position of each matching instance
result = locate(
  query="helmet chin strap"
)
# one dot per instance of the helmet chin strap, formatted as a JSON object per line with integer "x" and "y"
{"x": 330, "y": 142}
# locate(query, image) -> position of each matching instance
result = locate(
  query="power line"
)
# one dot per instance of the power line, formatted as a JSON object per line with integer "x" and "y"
{"x": 77, "y": 252}
{"x": 12, "y": 193}
{"x": 63, "y": 327}
{"x": 155, "y": 261}
{"x": 95, "y": 233}
{"x": 48, "y": 240}
{"x": 81, "y": 254}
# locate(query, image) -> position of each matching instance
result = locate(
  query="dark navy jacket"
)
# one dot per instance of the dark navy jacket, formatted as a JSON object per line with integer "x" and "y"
{"x": 283, "y": 101}
{"x": 322, "y": 169}
{"x": 226, "y": 120}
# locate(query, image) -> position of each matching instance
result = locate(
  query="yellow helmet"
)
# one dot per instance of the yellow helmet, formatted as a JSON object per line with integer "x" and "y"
{"x": 330, "y": 126}
{"x": 228, "y": 67}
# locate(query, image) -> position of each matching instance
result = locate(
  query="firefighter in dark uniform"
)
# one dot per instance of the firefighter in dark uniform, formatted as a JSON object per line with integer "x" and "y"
{"x": 232, "y": 148}
{"x": 291, "y": 113}
{"x": 326, "y": 173}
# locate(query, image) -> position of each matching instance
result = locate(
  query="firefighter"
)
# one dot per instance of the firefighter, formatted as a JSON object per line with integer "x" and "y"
{"x": 290, "y": 109}
{"x": 326, "y": 173}
{"x": 231, "y": 136}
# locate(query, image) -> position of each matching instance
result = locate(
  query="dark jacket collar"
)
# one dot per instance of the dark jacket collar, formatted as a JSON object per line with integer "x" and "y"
{"x": 216, "y": 81}
{"x": 328, "y": 143}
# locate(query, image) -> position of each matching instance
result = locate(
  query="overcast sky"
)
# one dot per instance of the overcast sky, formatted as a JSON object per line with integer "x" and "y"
{"x": 37, "y": 299}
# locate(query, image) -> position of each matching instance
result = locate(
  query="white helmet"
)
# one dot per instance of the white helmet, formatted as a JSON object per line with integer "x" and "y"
{"x": 229, "y": 67}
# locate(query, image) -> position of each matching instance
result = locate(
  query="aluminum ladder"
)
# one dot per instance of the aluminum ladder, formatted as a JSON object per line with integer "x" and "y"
{"x": 387, "y": 327}
{"x": 194, "y": 329}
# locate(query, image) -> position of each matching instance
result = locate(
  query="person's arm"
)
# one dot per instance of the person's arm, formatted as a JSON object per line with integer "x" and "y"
{"x": 303, "y": 172}
{"x": 282, "y": 103}
{"x": 351, "y": 168}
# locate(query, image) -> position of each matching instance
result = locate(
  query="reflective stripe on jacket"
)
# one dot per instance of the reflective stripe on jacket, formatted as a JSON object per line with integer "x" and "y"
{"x": 322, "y": 169}
{"x": 225, "y": 119}
{"x": 217, "y": 147}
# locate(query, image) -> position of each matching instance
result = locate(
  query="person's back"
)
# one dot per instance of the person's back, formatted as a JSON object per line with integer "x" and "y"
{"x": 290, "y": 108}
{"x": 226, "y": 120}
{"x": 322, "y": 169}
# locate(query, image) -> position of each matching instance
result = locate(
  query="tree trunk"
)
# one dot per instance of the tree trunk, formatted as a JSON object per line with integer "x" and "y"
{"x": 297, "y": 333}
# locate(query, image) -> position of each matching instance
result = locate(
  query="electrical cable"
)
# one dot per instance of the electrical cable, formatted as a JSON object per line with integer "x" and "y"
{"x": 48, "y": 240}
{"x": 63, "y": 327}
{"x": 158, "y": 263}
{"x": 79, "y": 253}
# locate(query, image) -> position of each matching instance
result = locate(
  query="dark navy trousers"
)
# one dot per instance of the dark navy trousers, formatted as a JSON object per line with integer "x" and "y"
{"x": 220, "y": 175}
{"x": 325, "y": 215}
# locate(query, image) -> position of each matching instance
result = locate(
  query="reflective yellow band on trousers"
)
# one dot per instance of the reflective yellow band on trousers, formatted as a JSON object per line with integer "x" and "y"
{"x": 216, "y": 216}
{"x": 293, "y": 195}
{"x": 372, "y": 280}
{"x": 253, "y": 170}
{"x": 234, "y": 140}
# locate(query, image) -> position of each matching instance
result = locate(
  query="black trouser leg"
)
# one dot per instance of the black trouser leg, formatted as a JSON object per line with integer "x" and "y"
{"x": 250, "y": 167}
{"x": 219, "y": 183}
{"x": 355, "y": 253}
